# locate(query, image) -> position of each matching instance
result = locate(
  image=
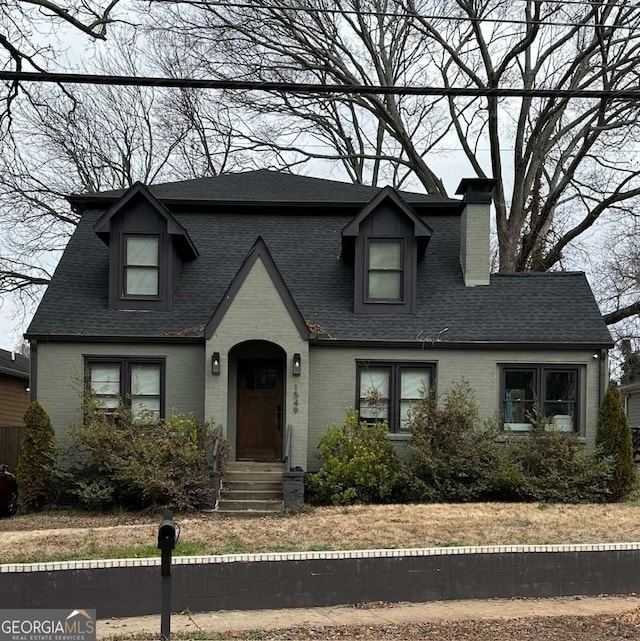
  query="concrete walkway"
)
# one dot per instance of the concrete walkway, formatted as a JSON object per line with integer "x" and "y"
{"x": 372, "y": 614}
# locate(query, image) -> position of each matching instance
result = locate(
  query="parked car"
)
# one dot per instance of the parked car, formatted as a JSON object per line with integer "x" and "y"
{"x": 8, "y": 491}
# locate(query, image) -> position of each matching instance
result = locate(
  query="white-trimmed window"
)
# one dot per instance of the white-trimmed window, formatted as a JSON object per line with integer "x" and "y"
{"x": 387, "y": 391}
{"x": 136, "y": 383}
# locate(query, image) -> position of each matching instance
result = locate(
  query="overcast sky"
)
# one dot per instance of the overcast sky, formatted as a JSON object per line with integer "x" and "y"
{"x": 453, "y": 167}
{"x": 79, "y": 51}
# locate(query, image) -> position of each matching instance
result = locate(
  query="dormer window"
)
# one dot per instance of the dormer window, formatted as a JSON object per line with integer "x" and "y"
{"x": 141, "y": 266}
{"x": 385, "y": 242}
{"x": 385, "y": 271}
{"x": 147, "y": 248}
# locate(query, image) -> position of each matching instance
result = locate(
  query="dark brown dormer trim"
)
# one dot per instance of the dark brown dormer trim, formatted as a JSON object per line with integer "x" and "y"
{"x": 421, "y": 231}
{"x": 387, "y": 218}
{"x": 103, "y": 225}
{"x": 139, "y": 214}
{"x": 119, "y": 297}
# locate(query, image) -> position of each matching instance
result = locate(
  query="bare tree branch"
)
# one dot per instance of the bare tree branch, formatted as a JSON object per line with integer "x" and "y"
{"x": 24, "y": 26}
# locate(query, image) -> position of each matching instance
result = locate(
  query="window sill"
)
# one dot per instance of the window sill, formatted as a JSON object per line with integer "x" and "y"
{"x": 397, "y": 436}
{"x": 503, "y": 437}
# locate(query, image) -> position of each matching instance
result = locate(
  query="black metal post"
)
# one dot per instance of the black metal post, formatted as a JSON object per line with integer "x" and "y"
{"x": 165, "y": 616}
{"x": 166, "y": 544}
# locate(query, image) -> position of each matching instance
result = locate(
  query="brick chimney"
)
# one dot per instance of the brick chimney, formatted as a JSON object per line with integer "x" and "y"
{"x": 475, "y": 229}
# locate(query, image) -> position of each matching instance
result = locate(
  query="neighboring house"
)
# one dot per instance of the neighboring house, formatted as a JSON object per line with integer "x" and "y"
{"x": 264, "y": 300}
{"x": 630, "y": 394}
{"x": 14, "y": 388}
{"x": 14, "y": 400}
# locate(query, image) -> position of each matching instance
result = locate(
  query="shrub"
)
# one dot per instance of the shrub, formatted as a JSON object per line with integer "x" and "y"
{"x": 37, "y": 462}
{"x": 113, "y": 460}
{"x": 614, "y": 439}
{"x": 452, "y": 454}
{"x": 357, "y": 464}
{"x": 551, "y": 466}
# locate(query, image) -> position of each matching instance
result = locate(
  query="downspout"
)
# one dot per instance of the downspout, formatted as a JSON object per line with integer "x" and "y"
{"x": 603, "y": 382}
{"x": 33, "y": 371}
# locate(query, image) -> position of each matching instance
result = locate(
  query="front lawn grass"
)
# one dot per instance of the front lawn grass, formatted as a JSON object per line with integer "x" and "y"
{"x": 59, "y": 535}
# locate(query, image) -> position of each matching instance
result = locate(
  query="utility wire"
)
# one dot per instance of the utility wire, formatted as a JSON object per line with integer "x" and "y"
{"x": 391, "y": 14}
{"x": 588, "y": 3}
{"x": 311, "y": 89}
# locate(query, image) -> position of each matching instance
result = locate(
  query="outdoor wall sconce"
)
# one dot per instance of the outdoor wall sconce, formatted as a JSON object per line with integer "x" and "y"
{"x": 215, "y": 363}
{"x": 296, "y": 365}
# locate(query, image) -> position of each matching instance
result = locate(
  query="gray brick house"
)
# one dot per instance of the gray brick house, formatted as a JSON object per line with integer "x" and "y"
{"x": 269, "y": 303}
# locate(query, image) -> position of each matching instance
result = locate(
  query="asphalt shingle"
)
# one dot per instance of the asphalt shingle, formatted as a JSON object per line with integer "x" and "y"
{"x": 521, "y": 308}
{"x": 268, "y": 186}
{"x": 14, "y": 364}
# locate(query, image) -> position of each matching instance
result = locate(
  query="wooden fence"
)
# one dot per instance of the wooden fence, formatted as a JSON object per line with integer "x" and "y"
{"x": 10, "y": 438}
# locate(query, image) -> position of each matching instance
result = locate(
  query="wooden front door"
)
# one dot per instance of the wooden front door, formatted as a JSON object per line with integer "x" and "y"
{"x": 260, "y": 409}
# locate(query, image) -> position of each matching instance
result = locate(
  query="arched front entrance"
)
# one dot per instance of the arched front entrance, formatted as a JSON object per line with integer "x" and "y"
{"x": 260, "y": 374}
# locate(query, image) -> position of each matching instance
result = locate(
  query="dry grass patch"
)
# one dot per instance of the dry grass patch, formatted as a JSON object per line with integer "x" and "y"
{"x": 358, "y": 527}
{"x": 64, "y": 519}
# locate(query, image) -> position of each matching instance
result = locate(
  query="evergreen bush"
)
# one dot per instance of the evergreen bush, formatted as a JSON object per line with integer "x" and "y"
{"x": 357, "y": 464}
{"x": 614, "y": 440}
{"x": 37, "y": 461}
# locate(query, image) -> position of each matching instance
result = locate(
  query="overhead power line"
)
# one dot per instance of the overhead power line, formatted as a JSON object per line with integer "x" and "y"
{"x": 589, "y": 3}
{"x": 313, "y": 89}
{"x": 402, "y": 14}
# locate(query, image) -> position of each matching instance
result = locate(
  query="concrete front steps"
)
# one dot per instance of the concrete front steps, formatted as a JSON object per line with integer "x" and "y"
{"x": 251, "y": 489}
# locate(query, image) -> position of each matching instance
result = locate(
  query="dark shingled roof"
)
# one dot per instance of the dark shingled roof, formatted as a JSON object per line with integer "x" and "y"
{"x": 14, "y": 364}
{"x": 522, "y": 308}
{"x": 264, "y": 186}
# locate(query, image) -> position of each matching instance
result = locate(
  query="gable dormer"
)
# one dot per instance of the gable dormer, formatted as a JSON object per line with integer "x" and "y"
{"x": 385, "y": 241}
{"x": 147, "y": 247}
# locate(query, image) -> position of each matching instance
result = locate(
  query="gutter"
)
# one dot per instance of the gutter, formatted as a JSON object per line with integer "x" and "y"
{"x": 443, "y": 344}
{"x": 14, "y": 372}
{"x": 88, "y": 338}
{"x": 317, "y": 341}
{"x": 33, "y": 378}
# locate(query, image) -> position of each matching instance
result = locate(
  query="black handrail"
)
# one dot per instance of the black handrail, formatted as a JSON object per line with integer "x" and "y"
{"x": 287, "y": 447}
{"x": 216, "y": 446}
